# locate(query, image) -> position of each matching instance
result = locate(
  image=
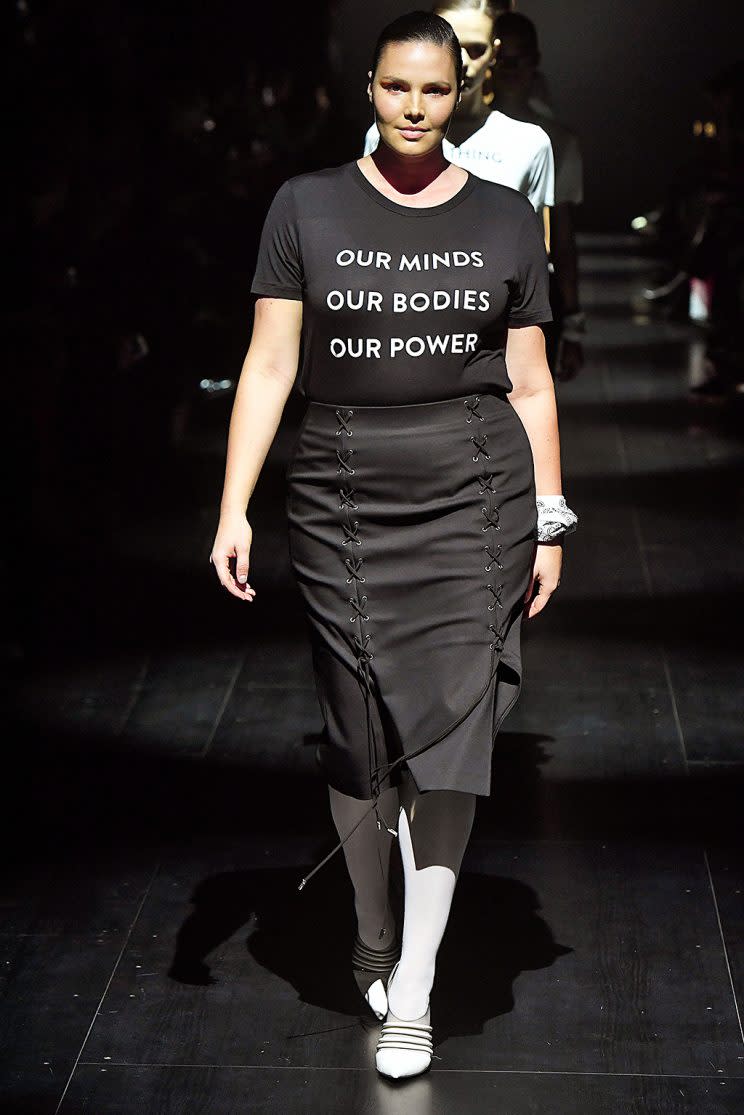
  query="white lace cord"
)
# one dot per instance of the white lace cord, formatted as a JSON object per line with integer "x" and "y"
{"x": 554, "y": 518}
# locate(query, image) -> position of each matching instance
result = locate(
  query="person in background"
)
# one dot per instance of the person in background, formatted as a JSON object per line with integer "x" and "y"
{"x": 514, "y": 73}
{"x": 715, "y": 253}
{"x": 491, "y": 144}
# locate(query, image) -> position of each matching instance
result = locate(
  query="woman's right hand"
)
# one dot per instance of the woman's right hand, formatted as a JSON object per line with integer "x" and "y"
{"x": 233, "y": 542}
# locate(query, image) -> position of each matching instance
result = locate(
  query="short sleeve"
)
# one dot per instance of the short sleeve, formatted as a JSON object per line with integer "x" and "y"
{"x": 279, "y": 272}
{"x": 530, "y": 295}
{"x": 541, "y": 179}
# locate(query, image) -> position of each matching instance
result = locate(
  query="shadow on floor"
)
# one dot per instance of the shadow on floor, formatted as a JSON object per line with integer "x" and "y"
{"x": 494, "y": 933}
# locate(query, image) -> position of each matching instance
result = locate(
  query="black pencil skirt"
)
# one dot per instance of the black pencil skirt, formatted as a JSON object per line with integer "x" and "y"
{"x": 412, "y": 534}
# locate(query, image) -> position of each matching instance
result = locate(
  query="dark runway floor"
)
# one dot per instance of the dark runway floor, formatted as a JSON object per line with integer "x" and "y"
{"x": 157, "y": 956}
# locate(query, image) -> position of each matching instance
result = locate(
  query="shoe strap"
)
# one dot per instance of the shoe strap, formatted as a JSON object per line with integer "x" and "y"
{"x": 396, "y": 1028}
{"x": 417, "y": 1047}
{"x": 373, "y": 960}
{"x": 406, "y": 1037}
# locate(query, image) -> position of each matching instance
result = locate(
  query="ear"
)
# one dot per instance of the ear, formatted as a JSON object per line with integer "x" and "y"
{"x": 496, "y": 47}
{"x": 369, "y": 85}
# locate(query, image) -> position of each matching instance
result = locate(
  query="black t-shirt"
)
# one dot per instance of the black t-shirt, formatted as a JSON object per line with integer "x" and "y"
{"x": 401, "y": 304}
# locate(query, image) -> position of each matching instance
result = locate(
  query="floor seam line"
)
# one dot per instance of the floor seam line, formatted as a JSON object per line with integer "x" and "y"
{"x": 114, "y": 970}
{"x": 723, "y": 943}
{"x": 365, "y": 1069}
{"x": 135, "y": 694}
{"x": 223, "y": 705}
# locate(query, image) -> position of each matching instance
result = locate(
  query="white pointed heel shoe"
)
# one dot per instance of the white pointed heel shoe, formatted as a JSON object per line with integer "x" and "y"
{"x": 372, "y": 969}
{"x": 404, "y": 1048}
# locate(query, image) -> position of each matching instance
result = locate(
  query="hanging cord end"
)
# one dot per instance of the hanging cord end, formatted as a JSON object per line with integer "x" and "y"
{"x": 338, "y": 846}
{"x": 380, "y": 822}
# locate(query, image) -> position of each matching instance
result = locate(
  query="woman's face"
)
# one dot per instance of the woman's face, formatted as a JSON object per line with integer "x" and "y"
{"x": 475, "y": 32}
{"x": 414, "y": 94}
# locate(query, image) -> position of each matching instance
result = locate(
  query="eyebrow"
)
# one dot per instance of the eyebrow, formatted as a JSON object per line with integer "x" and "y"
{"x": 403, "y": 80}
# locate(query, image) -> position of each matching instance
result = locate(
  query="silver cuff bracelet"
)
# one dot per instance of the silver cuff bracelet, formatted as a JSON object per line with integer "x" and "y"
{"x": 554, "y": 518}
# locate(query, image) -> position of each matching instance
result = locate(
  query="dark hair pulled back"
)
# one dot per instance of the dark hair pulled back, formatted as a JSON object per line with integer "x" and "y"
{"x": 420, "y": 27}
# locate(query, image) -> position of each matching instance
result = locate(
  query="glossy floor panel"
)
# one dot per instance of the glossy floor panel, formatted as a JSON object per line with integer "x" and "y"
{"x": 568, "y": 956}
{"x": 227, "y": 1091}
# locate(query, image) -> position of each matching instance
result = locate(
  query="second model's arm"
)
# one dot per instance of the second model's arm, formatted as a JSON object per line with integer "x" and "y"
{"x": 565, "y": 259}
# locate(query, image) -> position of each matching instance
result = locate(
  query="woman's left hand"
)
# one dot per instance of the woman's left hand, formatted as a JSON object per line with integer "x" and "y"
{"x": 546, "y": 572}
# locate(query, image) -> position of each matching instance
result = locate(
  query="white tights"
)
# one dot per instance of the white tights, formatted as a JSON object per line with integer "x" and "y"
{"x": 433, "y": 830}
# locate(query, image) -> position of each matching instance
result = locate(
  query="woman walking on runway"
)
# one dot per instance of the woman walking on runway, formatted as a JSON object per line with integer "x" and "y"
{"x": 424, "y": 505}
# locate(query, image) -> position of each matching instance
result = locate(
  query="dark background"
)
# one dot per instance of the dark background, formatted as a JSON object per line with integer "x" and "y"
{"x": 147, "y": 142}
{"x": 627, "y": 76}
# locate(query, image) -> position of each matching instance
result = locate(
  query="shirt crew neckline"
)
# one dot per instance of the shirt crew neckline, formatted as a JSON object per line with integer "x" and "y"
{"x": 411, "y": 210}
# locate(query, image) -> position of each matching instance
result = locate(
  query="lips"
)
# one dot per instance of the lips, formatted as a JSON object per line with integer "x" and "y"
{"x": 413, "y": 133}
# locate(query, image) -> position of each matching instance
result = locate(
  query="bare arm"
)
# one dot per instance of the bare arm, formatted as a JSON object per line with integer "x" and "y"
{"x": 268, "y": 374}
{"x": 533, "y": 398}
{"x": 266, "y": 380}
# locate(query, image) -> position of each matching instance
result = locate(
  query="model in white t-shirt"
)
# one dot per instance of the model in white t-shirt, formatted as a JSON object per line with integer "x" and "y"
{"x": 501, "y": 150}
{"x": 513, "y": 85}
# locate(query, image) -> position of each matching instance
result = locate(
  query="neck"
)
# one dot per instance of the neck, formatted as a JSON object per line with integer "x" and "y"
{"x": 408, "y": 174}
{"x": 511, "y": 105}
{"x": 472, "y": 106}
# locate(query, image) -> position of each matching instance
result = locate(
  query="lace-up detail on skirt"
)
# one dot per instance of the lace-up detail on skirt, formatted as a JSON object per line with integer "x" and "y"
{"x": 490, "y": 512}
{"x": 351, "y": 533}
{"x": 412, "y": 534}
